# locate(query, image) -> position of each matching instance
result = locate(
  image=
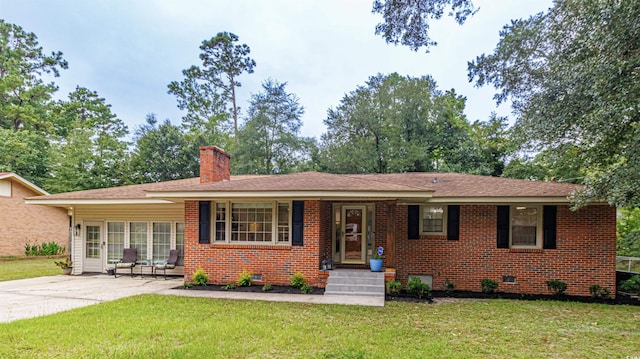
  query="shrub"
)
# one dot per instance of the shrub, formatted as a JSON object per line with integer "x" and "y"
{"x": 306, "y": 289}
{"x": 187, "y": 285}
{"x": 556, "y": 286}
{"x": 245, "y": 279}
{"x": 394, "y": 287}
{"x": 488, "y": 285}
{"x": 418, "y": 288}
{"x": 200, "y": 277}
{"x": 44, "y": 249}
{"x": 448, "y": 286}
{"x": 267, "y": 288}
{"x": 599, "y": 292}
{"x": 230, "y": 286}
{"x": 631, "y": 285}
{"x": 298, "y": 280}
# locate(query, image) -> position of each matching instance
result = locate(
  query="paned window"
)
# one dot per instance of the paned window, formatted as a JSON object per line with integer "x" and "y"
{"x": 221, "y": 222}
{"x": 138, "y": 238}
{"x": 93, "y": 242}
{"x": 284, "y": 215}
{"x": 180, "y": 243}
{"x": 251, "y": 222}
{"x": 115, "y": 240}
{"x": 525, "y": 226}
{"x": 161, "y": 240}
{"x": 433, "y": 219}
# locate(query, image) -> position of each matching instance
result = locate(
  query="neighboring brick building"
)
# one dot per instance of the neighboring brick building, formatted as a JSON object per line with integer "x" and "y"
{"x": 21, "y": 224}
{"x": 440, "y": 226}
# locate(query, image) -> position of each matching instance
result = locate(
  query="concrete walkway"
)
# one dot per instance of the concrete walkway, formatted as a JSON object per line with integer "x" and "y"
{"x": 28, "y": 298}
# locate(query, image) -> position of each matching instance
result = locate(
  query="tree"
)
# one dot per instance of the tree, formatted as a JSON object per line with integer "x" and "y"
{"x": 628, "y": 237}
{"x": 206, "y": 91}
{"x": 90, "y": 151}
{"x": 572, "y": 76}
{"x": 269, "y": 141}
{"x": 24, "y": 96}
{"x": 162, "y": 153}
{"x": 25, "y": 153}
{"x": 397, "y": 124}
{"x": 407, "y": 22}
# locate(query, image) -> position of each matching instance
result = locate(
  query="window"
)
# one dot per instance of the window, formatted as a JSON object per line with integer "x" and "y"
{"x": 92, "y": 242}
{"x": 180, "y": 243}
{"x": 256, "y": 222}
{"x": 115, "y": 240}
{"x": 283, "y": 222}
{"x": 526, "y": 222}
{"x": 433, "y": 220}
{"x": 138, "y": 238}
{"x": 221, "y": 221}
{"x": 161, "y": 240}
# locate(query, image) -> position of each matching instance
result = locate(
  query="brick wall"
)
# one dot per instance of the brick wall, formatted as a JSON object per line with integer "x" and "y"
{"x": 21, "y": 223}
{"x": 585, "y": 254}
{"x": 276, "y": 263}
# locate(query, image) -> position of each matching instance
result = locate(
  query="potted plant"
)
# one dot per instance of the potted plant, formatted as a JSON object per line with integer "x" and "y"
{"x": 66, "y": 265}
{"x": 376, "y": 261}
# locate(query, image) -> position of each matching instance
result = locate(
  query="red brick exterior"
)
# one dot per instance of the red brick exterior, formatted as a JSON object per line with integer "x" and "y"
{"x": 584, "y": 255}
{"x": 22, "y": 223}
{"x": 215, "y": 164}
{"x": 276, "y": 263}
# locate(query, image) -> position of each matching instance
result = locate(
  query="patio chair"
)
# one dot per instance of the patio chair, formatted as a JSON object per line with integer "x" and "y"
{"x": 128, "y": 260}
{"x": 168, "y": 264}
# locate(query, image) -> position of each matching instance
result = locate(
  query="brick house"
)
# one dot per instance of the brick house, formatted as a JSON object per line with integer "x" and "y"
{"x": 18, "y": 221}
{"x": 440, "y": 226}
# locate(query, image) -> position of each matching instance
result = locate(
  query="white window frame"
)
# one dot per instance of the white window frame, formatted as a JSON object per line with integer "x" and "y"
{"x": 445, "y": 210}
{"x": 512, "y": 211}
{"x": 228, "y": 220}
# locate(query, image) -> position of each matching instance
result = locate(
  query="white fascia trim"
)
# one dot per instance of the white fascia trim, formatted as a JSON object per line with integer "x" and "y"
{"x": 24, "y": 182}
{"x": 499, "y": 200}
{"x": 66, "y": 202}
{"x": 291, "y": 194}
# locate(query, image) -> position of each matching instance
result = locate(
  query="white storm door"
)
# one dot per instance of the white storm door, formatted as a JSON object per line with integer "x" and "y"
{"x": 93, "y": 245}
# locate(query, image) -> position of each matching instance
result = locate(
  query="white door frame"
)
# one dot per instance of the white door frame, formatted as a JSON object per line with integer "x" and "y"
{"x": 93, "y": 264}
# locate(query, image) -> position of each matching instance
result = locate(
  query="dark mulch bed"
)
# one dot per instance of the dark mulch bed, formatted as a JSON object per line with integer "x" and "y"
{"x": 622, "y": 298}
{"x": 255, "y": 289}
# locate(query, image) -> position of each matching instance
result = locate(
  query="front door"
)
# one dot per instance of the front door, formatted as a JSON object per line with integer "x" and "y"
{"x": 93, "y": 245}
{"x": 354, "y": 233}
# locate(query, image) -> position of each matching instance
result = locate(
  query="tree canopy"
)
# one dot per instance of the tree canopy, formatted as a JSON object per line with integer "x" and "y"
{"x": 572, "y": 75}
{"x": 407, "y": 22}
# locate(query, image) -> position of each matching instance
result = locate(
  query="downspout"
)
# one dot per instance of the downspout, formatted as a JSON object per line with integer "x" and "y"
{"x": 71, "y": 214}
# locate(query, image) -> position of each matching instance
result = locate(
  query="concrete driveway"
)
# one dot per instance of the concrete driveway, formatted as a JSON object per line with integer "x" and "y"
{"x": 28, "y": 298}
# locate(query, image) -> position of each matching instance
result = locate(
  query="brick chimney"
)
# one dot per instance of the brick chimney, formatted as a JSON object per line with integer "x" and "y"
{"x": 215, "y": 164}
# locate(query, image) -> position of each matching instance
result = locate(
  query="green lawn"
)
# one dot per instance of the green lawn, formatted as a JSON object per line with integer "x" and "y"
{"x": 153, "y": 326}
{"x": 21, "y": 269}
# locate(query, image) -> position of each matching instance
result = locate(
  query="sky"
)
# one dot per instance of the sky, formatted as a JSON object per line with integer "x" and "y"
{"x": 129, "y": 51}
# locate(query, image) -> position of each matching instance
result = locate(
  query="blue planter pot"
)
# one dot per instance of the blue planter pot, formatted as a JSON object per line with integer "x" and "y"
{"x": 375, "y": 264}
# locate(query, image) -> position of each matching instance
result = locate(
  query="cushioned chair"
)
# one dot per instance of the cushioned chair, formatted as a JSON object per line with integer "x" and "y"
{"x": 168, "y": 264}
{"x": 128, "y": 260}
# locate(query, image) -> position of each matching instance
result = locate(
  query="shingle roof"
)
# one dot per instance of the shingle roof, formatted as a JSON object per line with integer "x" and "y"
{"x": 448, "y": 185}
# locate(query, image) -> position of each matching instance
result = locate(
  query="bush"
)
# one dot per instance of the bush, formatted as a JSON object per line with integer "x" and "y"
{"x": 599, "y": 292}
{"x": 448, "y": 286}
{"x": 44, "y": 249}
{"x": 418, "y": 288}
{"x": 267, "y": 288}
{"x": 556, "y": 286}
{"x": 200, "y": 277}
{"x": 298, "y": 280}
{"x": 631, "y": 285}
{"x": 394, "y": 287}
{"x": 245, "y": 279}
{"x": 488, "y": 285}
{"x": 306, "y": 289}
{"x": 230, "y": 286}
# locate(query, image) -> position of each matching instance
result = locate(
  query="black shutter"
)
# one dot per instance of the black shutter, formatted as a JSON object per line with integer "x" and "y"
{"x": 297, "y": 225}
{"x": 204, "y": 228}
{"x": 453, "y": 223}
{"x": 413, "y": 222}
{"x": 549, "y": 227}
{"x": 503, "y": 226}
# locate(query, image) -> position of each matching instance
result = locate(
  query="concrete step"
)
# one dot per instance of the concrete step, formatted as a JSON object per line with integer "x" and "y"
{"x": 355, "y": 282}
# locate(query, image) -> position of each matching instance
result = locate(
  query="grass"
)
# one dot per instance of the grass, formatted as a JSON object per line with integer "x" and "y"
{"x": 21, "y": 269}
{"x": 153, "y": 326}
